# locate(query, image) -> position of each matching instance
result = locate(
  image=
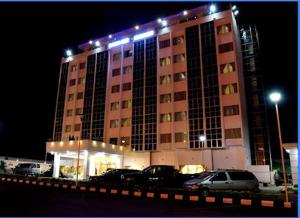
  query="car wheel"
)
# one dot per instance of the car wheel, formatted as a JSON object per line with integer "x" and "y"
{"x": 204, "y": 192}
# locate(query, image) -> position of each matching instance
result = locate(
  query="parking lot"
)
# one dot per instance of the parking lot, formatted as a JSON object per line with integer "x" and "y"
{"x": 28, "y": 199}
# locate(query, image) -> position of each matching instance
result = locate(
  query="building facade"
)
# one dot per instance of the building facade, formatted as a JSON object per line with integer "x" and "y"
{"x": 167, "y": 92}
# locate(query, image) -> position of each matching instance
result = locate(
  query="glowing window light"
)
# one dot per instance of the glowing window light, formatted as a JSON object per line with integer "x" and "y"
{"x": 61, "y": 143}
{"x": 117, "y": 43}
{"x": 103, "y": 145}
{"x": 97, "y": 43}
{"x": 113, "y": 146}
{"x": 52, "y": 144}
{"x": 71, "y": 142}
{"x": 121, "y": 148}
{"x": 143, "y": 35}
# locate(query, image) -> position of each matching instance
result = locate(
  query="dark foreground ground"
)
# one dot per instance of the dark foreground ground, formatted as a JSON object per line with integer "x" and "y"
{"x": 27, "y": 200}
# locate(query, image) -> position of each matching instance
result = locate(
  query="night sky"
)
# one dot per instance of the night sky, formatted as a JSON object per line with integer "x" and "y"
{"x": 34, "y": 36}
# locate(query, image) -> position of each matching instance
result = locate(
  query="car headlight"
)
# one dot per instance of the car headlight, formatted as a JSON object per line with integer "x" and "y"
{"x": 195, "y": 186}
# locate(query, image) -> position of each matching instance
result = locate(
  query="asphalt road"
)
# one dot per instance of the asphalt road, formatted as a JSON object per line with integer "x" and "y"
{"x": 28, "y": 200}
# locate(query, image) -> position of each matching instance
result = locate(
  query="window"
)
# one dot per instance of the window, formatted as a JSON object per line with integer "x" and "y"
{"x": 233, "y": 133}
{"x": 128, "y": 53}
{"x": 126, "y": 104}
{"x": 241, "y": 175}
{"x": 251, "y": 65}
{"x": 165, "y": 61}
{"x": 125, "y": 140}
{"x": 165, "y": 98}
{"x": 227, "y": 68}
{"x": 180, "y": 137}
{"x": 126, "y": 86}
{"x": 180, "y": 116}
{"x": 179, "y": 96}
{"x": 73, "y": 68}
{"x": 165, "y": 79}
{"x": 127, "y": 70}
{"x": 225, "y": 28}
{"x": 68, "y": 128}
{"x": 219, "y": 177}
{"x": 77, "y": 127}
{"x": 229, "y": 89}
{"x": 70, "y": 97}
{"x": 114, "y": 106}
{"x": 178, "y": 40}
{"x": 125, "y": 122}
{"x": 116, "y": 56}
{"x": 231, "y": 110}
{"x": 69, "y": 113}
{"x": 116, "y": 72}
{"x": 165, "y": 138}
{"x": 79, "y": 111}
{"x": 113, "y": 141}
{"x": 178, "y": 58}
{"x": 81, "y": 80}
{"x": 72, "y": 82}
{"x": 164, "y": 44}
{"x": 114, "y": 123}
{"x": 79, "y": 95}
{"x": 165, "y": 117}
{"x": 115, "y": 89}
{"x": 226, "y": 47}
{"x": 82, "y": 65}
{"x": 179, "y": 76}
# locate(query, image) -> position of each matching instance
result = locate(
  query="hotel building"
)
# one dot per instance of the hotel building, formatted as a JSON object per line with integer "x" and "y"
{"x": 171, "y": 91}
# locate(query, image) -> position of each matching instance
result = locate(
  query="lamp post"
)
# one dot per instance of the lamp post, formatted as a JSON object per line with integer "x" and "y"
{"x": 202, "y": 139}
{"x": 78, "y": 150}
{"x": 275, "y": 97}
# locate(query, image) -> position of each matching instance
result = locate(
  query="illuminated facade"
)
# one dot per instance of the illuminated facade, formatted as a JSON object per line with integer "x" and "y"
{"x": 167, "y": 92}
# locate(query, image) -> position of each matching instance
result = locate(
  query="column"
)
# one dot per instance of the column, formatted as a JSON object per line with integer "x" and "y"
{"x": 86, "y": 165}
{"x": 56, "y": 165}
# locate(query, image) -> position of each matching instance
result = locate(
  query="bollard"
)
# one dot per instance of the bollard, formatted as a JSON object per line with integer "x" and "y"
{"x": 287, "y": 205}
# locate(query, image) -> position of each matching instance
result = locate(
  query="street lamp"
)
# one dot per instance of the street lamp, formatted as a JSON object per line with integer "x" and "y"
{"x": 275, "y": 97}
{"x": 78, "y": 151}
{"x": 202, "y": 139}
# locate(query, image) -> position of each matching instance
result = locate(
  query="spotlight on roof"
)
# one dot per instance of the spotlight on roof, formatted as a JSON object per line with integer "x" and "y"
{"x": 97, "y": 43}
{"x": 185, "y": 12}
{"x": 137, "y": 27}
{"x": 110, "y": 36}
{"x": 236, "y": 12}
{"x": 69, "y": 53}
{"x": 164, "y": 23}
{"x": 212, "y": 9}
{"x": 90, "y": 42}
{"x": 233, "y": 7}
{"x": 159, "y": 20}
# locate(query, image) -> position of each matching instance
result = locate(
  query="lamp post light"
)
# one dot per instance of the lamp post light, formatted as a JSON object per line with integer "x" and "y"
{"x": 275, "y": 97}
{"x": 202, "y": 139}
{"x": 78, "y": 150}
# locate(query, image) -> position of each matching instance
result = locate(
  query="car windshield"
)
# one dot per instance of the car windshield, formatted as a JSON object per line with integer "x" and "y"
{"x": 204, "y": 175}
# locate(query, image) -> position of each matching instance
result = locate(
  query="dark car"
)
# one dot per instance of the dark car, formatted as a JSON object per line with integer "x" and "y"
{"x": 27, "y": 169}
{"x": 114, "y": 176}
{"x": 156, "y": 176}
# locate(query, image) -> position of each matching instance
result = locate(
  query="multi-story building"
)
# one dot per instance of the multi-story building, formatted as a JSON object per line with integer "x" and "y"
{"x": 170, "y": 91}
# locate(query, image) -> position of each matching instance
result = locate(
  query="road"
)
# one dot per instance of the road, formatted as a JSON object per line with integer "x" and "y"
{"x": 28, "y": 200}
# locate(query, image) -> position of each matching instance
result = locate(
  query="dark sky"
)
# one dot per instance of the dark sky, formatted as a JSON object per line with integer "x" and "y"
{"x": 34, "y": 36}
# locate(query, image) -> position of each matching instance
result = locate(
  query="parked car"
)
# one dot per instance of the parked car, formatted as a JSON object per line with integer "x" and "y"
{"x": 28, "y": 169}
{"x": 156, "y": 176}
{"x": 223, "y": 180}
{"x": 112, "y": 176}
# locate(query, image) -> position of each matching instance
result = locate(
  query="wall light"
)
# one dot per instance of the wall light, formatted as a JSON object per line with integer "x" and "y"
{"x": 97, "y": 43}
{"x": 212, "y": 9}
{"x": 164, "y": 23}
{"x": 143, "y": 35}
{"x": 137, "y": 27}
{"x": 236, "y": 12}
{"x": 110, "y": 36}
{"x": 159, "y": 20}
{"x": 90, "y": 42}
{"x": 69, "y": 53}
{"x": 185, "y": 12}
{"x": 117, "y": 43}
